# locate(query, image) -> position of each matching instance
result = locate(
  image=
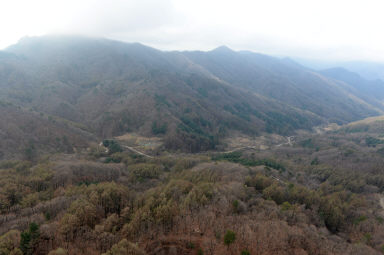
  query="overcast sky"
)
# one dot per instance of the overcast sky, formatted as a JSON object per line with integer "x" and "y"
{"x": 326, "y": 29}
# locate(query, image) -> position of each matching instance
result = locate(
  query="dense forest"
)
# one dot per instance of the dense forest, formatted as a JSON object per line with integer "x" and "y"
{"x": 308, "y": 198}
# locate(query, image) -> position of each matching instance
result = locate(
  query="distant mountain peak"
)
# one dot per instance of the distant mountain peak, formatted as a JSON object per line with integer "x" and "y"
{"x": 223, "y": 49}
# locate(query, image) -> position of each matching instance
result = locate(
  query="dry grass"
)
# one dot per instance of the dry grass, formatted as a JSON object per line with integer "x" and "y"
{"x": 141, "y": 142}
{"x": 259, "y": 143}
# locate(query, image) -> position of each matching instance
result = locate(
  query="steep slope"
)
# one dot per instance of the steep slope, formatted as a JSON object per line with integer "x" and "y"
{"x": 113, "y": 88}
{"x": 192, "y": 99}
{"x": 26, "y": 134}
{"x": 285, "y": 81}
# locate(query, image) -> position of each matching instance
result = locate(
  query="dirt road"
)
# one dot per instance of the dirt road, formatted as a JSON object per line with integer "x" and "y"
{"x": 136, "y": 151}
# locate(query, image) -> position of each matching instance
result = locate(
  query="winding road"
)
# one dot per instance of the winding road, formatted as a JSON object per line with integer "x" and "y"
{"x": 289, "y": 142}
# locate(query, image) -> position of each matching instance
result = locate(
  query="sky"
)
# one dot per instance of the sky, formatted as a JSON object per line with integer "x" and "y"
{"x": 326, "y": 29}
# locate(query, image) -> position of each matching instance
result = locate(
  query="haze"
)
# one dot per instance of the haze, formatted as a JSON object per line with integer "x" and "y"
{"x": 332, "y": 30}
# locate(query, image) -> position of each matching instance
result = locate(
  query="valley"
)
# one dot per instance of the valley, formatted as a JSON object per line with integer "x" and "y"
{"x": 116, "y": 148}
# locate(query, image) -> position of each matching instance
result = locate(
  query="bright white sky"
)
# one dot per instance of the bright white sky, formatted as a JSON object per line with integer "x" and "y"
{"x": 326, "y": 29}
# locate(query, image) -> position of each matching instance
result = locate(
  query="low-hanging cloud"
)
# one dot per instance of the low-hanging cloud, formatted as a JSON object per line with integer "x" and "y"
{"x": 344, "y": 29}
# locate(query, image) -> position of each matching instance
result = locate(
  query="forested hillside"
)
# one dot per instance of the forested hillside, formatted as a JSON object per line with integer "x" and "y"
{"x": 307, "y": 198}
{"x": 192, "y": 99}
{"x": 288, "y": 82}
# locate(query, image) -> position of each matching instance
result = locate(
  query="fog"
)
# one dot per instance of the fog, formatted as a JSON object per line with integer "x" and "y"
{"x": 330, "y": 30}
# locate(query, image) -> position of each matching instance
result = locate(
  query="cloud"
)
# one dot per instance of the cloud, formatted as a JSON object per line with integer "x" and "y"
{"x": 328, "y": 29}
{"x": 111, "y": 17}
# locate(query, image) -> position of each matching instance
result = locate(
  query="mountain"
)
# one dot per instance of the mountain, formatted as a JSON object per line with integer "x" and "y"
{"x": 285, "y": 81}
{"x": 366, "y": 69}
{"x": 372, "y": 88}
{"x": 369, "y": 70}
{"x": 191, "y": 99}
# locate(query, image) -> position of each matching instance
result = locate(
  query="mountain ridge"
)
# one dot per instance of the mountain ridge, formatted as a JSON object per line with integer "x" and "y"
{"x": 114, "y": 87}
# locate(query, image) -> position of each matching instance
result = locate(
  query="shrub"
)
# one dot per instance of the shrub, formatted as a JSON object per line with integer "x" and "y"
{"x": 286, "y": 206}
{"x": 112, "y": 146}
{"x": 229, "y": 237}
{"x": 235, "y": 205}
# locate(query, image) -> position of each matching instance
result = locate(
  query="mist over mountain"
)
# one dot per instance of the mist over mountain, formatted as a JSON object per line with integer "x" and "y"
{"x": 193, "y": 99}
{"x": 367, "y": 70}
{"x": 365, "y": 87}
